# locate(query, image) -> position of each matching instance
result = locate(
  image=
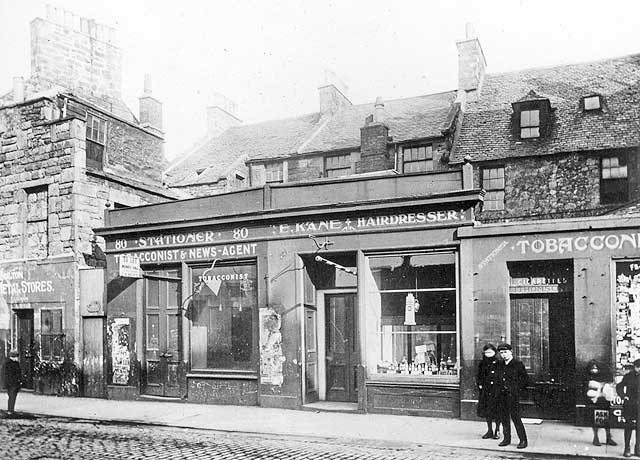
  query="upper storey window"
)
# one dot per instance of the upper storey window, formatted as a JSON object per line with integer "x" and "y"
{"x": 532, "y": 117}
{"x": 529, "y": 124}
{"x": 96, "y": 140}
{"x": 614, "y": 185}
{"x": 337, "y": 165}
{"x": 273, "y": 173}
{"x": 417, "y": 159}
{"x": 592, "y": 103}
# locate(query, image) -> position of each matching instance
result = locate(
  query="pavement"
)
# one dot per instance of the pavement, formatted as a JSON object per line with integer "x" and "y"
{"x": 545, "y": 437}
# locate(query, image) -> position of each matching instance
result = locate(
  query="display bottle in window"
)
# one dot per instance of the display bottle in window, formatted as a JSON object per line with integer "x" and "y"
{"x": 404, "y": 368}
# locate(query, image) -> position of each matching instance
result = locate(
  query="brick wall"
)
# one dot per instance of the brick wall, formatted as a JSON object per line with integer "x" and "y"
{"x": 554, "y": 186}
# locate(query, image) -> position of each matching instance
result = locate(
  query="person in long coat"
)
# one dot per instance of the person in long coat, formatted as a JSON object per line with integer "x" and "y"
{"x": 597, "y": 376}
{"x": 13, "y": 380}
{"x": 489, "y": 401}
{"x": 513, "y": 380}
{"x": 627, "y": 389}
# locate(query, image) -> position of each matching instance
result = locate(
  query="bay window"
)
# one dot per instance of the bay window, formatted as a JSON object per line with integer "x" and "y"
{"x": 412, "y": 315}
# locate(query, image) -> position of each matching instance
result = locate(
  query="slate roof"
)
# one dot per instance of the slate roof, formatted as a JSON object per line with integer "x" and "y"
{"x": 486, "y": 132}
{"x": 409, "y": 118}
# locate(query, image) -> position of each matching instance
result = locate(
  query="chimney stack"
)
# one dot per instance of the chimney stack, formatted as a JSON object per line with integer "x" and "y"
{"x": 150, "y": 108}
{"x": 374, "y": 142}
{"x": 18, "y": 90}
{"x": 471, "y": 66}
{"x": 221, "y": 115}
{"x": 333, "y": 94}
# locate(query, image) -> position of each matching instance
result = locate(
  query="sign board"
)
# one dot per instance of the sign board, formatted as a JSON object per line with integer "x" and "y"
{"x": 92, "y": 292}
{"x": 129, "y": 266}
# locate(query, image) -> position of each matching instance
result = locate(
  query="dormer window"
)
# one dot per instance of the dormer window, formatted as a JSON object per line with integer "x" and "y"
{"x": 529, "y": 124}
{"x": 532, "y": 117}
{"x": 592, "y": 103}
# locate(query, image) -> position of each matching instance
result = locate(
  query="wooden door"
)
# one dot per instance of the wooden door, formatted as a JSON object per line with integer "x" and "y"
{"x": 341, "y": 347}
{"x": 163, "y": 336}
{"x": 311, "y": 350}
{"x": 93, "y": 357}
{"x": 24, "y": 344}
{"x": 530, "y": 335}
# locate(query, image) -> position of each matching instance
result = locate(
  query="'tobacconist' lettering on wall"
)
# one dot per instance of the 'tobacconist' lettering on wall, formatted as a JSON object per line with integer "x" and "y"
{"x": 562, "y": 245}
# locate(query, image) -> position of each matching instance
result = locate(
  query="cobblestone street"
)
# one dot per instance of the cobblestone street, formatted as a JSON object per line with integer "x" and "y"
{"x": 54, "y": 438}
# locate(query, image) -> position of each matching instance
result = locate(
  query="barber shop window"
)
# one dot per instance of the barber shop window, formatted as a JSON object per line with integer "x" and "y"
{"x": 223, "y": 314}
{"x": 411, "y": 315}
{"x": 51, "y": 336}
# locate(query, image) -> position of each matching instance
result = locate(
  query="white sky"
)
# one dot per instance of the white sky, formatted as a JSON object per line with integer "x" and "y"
{"x": 268, "y": 56}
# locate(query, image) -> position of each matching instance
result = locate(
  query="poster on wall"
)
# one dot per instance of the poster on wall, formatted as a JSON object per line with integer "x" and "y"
{"x": 627, "y": 314}
{"x": 120, "y": 361}
{"x": 271, "y": 356}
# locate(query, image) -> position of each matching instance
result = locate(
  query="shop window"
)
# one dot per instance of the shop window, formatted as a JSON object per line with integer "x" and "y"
{"x": 493, "y": 184}
{"x": 627, "y": 314}
{"x": 273, "y": 172}
{"x": 223, "y": 315}
{"x": 96, "y": 139}
{"x": 412, "y": 315}
{"x": 37, "y": 241}
{"x": 614, "y": 186}
{"x": 337, "y": 165}
{"x": 51, "y": 336}
{"x": 417, "y": 159}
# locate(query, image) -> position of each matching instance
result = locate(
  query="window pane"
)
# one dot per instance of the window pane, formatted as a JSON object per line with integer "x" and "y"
{"x": 45, "y": 344}
{"x": 223, "y": 318}
{"x": 57, "y": 346}
{"x": 174, "y": 294}
{"x": 606, "y": 173}
{"x": 623, "y": 171}
{"x": 592, "y": 103}
{"x": 46, "y": 321}
{"x": 524, "y": 118}
{"x": 57, "y": 321}
{"x": 534, "y": 118}
{"x": 172, "y": 334}
{"x": 413, "y": 271}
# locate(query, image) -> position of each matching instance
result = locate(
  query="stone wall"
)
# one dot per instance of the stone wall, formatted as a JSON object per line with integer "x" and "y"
{"x": 553, "y": 186}
{"x": 37, "y": 152}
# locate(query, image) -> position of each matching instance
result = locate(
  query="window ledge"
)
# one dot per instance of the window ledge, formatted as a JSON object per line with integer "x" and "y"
{"x": 223, "y": 375}
{"x": 452, "y": 381}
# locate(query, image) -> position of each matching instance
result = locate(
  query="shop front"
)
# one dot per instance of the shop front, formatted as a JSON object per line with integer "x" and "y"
{"x": 562, "y": 293}
{"x": 35, "y": 318}
{"x": 355, "y": 305}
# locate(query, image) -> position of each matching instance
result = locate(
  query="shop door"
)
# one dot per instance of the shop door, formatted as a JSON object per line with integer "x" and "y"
{"x": 24, "y": 342}
{"x": 163, "y": 336}
{"x": 341, "y": 347}
{"x": 93, "y": 357}
{"x": 311, "y": 350}
{"x": 542, "y": 334}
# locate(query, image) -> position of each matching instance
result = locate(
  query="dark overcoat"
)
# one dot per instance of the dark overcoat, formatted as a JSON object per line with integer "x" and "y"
{"x": 12, "y": 374}
{"x": 489, "y": 400}
{"x": 627, "y": 389}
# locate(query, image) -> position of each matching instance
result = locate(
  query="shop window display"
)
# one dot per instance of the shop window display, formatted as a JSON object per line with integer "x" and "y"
{"x": 627, "y": 314}
{"x": 411, "y": 315}
{"x": 223, "y": 315}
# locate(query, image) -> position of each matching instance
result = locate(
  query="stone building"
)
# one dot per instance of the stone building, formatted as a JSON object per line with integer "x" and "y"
{"x": 69, "y": 150}
{"x": 555, "y": 263}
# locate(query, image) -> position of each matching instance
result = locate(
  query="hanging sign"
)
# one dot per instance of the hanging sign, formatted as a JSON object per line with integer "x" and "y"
{"x": 129, "y": 266}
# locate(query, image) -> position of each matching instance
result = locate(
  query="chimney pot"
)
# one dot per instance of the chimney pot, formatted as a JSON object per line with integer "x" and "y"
{"x": 147, "y": 84}
{"x": 378, "y": 113}
{"x": 18, "y": 89}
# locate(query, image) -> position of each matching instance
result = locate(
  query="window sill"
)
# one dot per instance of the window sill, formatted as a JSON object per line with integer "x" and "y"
{"x": 452, "y": 381}
{"x": 222, "y": 374}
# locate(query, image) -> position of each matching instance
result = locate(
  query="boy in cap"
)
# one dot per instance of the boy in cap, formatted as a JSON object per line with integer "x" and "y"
{"x": 514, "y": 380}
{"x": 627, "y": 389}
{"x": 13, "y": 379}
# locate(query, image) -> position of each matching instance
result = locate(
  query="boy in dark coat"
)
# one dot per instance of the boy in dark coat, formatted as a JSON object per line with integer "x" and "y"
{"x": 627, "y": 389}
{"x": 514, "y": 380}
{"x": 489, "y": 400}
{"x": 13, "y": 379}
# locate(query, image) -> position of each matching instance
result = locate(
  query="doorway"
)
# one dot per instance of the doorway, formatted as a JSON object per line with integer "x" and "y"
{"x": 163, "y": 335}
{"x": 341, "y": 347}
{"x": 24, "y": 344}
